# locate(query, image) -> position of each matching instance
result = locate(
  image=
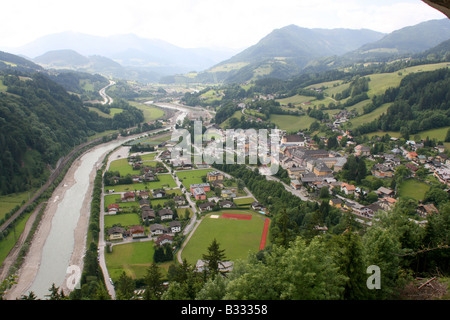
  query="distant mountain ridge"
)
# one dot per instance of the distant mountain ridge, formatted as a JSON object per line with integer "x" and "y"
{"x": 291, "y": 50}
{"x": 155, "y": 56}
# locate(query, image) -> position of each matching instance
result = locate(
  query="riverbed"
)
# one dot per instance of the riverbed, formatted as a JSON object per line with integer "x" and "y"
{"x": 60, "y": 240}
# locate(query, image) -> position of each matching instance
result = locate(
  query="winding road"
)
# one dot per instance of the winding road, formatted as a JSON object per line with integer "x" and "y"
{"x": 106, "y": 99}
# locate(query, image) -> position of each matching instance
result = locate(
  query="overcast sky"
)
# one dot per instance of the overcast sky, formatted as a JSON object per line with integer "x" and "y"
{"x": 201, "y": 23}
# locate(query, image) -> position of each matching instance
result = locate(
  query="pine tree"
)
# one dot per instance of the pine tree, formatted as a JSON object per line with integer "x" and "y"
{"x": 125, "y": 287}
{"x": 154, "y": 283}
{"x": 214, "y": 258}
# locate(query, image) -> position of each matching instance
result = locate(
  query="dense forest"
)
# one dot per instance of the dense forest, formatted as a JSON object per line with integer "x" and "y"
{"x": 39, "y": 123}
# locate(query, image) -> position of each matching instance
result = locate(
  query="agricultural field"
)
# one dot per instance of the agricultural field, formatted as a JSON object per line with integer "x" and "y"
{"x": 100, "y": 113}
{"x": 238, "y": 237}
{"x": 124, "y": 219}
{"x": 244, "y": 201}
{"x": 165, "y": 181}
{"x": 133, "y": 258}
{"x": 149, "y": 156}
{"x": 291, "y": 123}
{"x": 8, "y": 242}
{"x": 189, "y": 177}
{"x": 10, "y": 201}
{"x": 150, "y": 112}
{"x": 115, "y": 111}
{"x": 366, "y": 118}
{"x": 438, "y": 134}
{"x": 414, "y": 189}
{"x": 123, "y": 167}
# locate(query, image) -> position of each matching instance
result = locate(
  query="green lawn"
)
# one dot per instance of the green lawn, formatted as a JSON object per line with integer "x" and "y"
{"x": 439, "y": 134}
{"x": 291, "y": 123}
{"x": 10, "y": 201}
{"x": 237, "y": 237}
{"x": 150, "y": 112}
{"x": 115, "y": 111}
{"x": 123, "y": 167}
{"x": 8, "y": 242}
{"x": 414, "y": 189}
{"x": 165, "y": 181}
{"x": 244, "y": 201}
{"x": 189, "y": 177}
{"x": 133, "y": 258}
{"x": 125, "y": 219}
{"x": 357, "y": 121}
{"x": 148, "y": 156}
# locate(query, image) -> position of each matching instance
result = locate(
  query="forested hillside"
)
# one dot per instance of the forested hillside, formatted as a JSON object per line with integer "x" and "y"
{"x": 421, "y": 102}
{"x": 39, "y": 123}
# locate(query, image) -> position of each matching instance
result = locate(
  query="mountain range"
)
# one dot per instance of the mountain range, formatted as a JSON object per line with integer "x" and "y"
{"x": 291, "y": 50}
{"x": 136, "y": 58}
{"x": 284, "y": 53}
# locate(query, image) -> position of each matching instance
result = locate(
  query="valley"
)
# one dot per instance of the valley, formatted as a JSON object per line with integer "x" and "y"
{"x": 96, "y": 202}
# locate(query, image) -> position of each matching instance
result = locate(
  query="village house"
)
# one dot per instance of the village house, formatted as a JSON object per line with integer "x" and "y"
{"x": 163, "y": 239}
{"x": 322, "y": 170}
{"x": 336, "y": 203}
{"x": 165, "y": 214}
{"x": 144, "y": 194}
{"x": 214, "y": 175}
{"x": 424, "y": 210}
{"x": 174, "y": 226}
{"x": 362, "y": 151}
{"x": 297, "y": 185}
{"x": 159, "y": 193}
{"x": 136, "y": 179}
{"x": 199, "y": 190}
{"x": 387, "y": 203}
{"x": 128, "y": 197}
{"x": 150, "y": 176}
{"x": 293, "y": 140}
{"x": 296, "y": 172}
{"x": 347, "y": 188}
{"x": 207, "y": 206}
{"x": 381, "y": 171}
{"x": 116, "y": 233}
{"x": 144, "y": 203}
{"x": 137, "y": 231}
{"x": 147, "y": 214}
{"x": 257, "y": 206}
{"x": 227, "y": 204}
{"x": 113, "y": 208}
{"x": 384, "y": 192}
{"x": 179, "y": 200}
{"x": 199, "y": 193}
{"x": 157, "y": 229}
{"x": 227, "y": 194}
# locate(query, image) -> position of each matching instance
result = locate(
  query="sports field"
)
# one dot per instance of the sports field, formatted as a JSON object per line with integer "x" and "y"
{"x": 239, "y": 233}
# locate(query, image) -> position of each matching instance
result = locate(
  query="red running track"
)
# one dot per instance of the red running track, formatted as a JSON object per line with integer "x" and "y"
{"x": 262, "y": 245}
{"x": 237, "y": 216}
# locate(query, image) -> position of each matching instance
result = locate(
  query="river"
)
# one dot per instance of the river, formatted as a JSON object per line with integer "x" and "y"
{"x": 59, "y": 245}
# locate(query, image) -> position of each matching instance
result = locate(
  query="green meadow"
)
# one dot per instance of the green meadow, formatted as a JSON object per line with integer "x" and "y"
{"x": 192, "y": 176}
{"x": 291, "y": 123}
{"x": 414, "y": 189}
{"x": 131, "y": 258}
{"x": 150, "y": 112}
{"x": 165, "y": 181}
